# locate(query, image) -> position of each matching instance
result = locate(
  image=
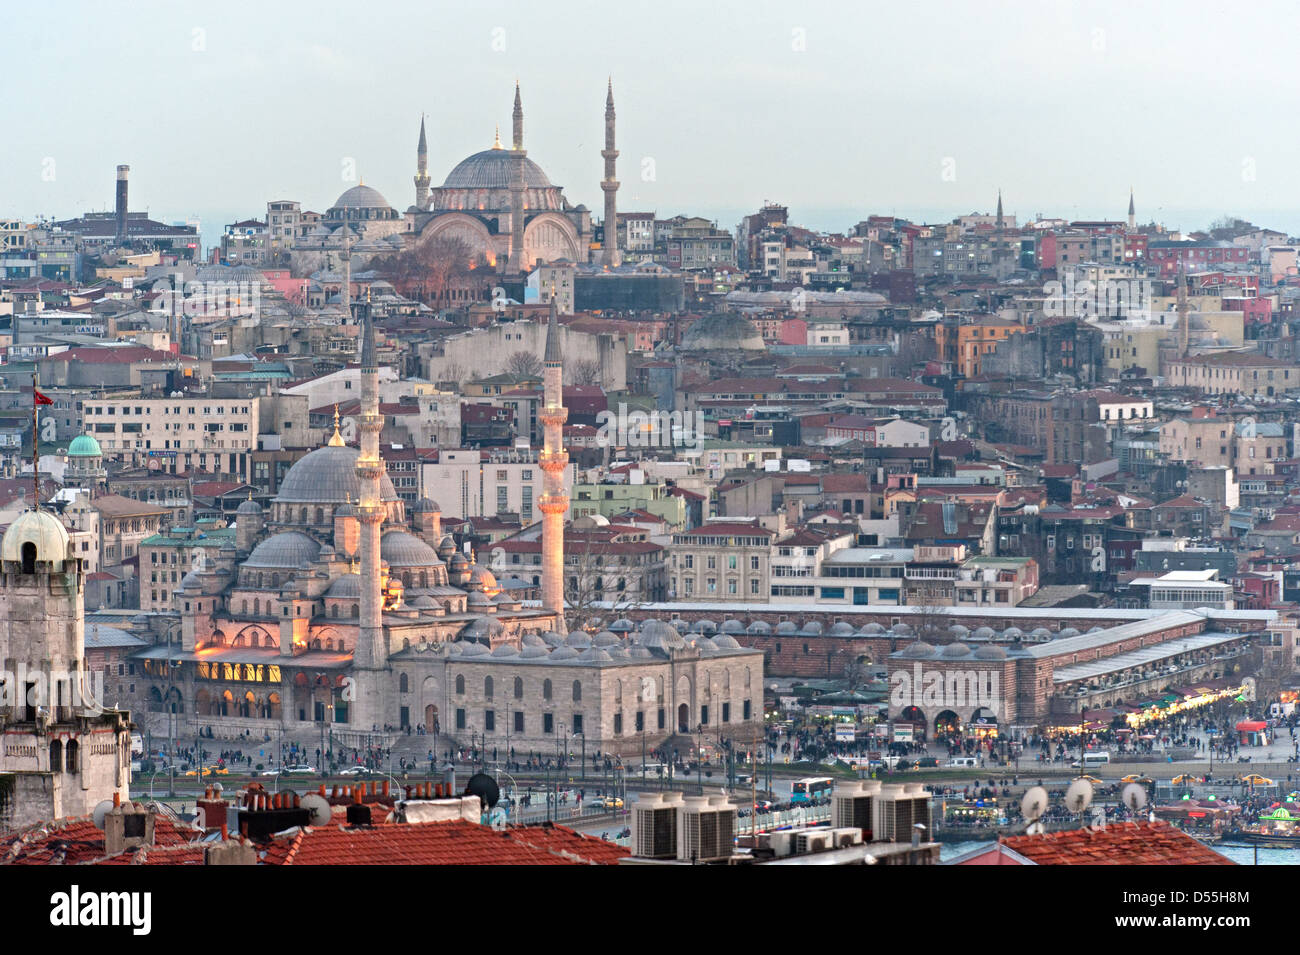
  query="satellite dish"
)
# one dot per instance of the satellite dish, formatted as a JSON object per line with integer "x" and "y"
{"x": 102, "y": 809}
{"x": 1134, "y": 796}
{"x": 1034, "y": 803}
{"x": 318, "y": 806}
{"x": 485, "y": 787}
{"x": 1079, "y": 796}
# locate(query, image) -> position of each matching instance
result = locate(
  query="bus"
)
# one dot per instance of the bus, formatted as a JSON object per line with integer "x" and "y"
{"x": 808, "y": 790}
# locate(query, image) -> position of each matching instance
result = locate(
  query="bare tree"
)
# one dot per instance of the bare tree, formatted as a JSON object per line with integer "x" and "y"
{"x": 435, "y": 268}
{"x": 453, "y": 374}
{"x": 930, "y": 623}
{"x": 524, "y": 364}
{"x": 596, "y": 587}
{"x": 584, "y": 371}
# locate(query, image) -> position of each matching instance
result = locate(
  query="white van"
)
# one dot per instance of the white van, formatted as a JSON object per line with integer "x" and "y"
{"x": 1092, "y": 759}
{"x": 964, "y": 762}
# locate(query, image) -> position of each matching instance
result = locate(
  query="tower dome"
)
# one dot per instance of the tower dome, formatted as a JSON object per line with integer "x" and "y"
{"x": 39, "y": 528}
{"x": 84, "y": 446}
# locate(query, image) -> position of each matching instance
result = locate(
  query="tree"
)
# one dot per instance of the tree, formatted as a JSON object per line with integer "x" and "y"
{"x": 453, "y": 374}
{"x": 524, "y": 364}
{"x": 435, "y": 268}
{"x": 584, "y": 371}
{"x": 930, "y": 623}
{"x": 597, "y": 587}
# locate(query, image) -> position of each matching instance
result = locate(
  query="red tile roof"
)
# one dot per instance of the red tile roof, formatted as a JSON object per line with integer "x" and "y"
{"x": 456, "y": 842}
{"x": 76, "y": 840}
{"x": 1128, "y": 843}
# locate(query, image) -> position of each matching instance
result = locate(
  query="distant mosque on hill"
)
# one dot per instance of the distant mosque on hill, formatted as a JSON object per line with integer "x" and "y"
{"x": 499, "y": 202}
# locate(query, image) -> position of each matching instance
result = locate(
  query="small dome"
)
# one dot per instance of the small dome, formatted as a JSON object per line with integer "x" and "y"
{"x": 287, "y": 549}
{"x": 594, "y": 655}
{"x": 1066, "y": 633}
{"x": 564, "y": 653}
{"x": 531, "y": 640}
{"x": 40, "y": 528}
{"x": 84, "y": 446}
{"x": 958, "y": 631}
{"x": 622, "y": 625}
{"x": 190, "y": 581}
{"x": 703, "y": 626}
{"x": 479, "y": 600}
{"x": 918, "y": 649}
{"x": 903, "y": 630}
{"x": 1041, "y": 633}
{"x": 472, "y": 649}
{"x": 874, "y": 629}
{"x": 640, "y": 653}
{"x": 579, "y": 639}
{"x": 724, "y": 641}
{"x": 403, "y": 549}
{"x": 702, "y": 643}
{"x": 955, "y": 650}
{"x": 722, "y": 331}
{"x": 349, "y": 585}
{"x": 786, "y": 628}
{"x": 732, "y": 625}
{"x": 553, "y": 639}
{"x": 983, "y": 633}
{"x": 250, "y": 507}
{"x": 656, "y": 634}
{"x": 606, "y": 638}
{"x": 425, "y": 506}
{"x": 532, "y": 652}
{"x": 812, "y": 628}
{"x": 424, "y": 602}
{"x": 990, "y": 653}
{"x": 840, "y": 629}
{"x": 1013, "y": 633}
{"x": 759, "y": 628}
{"x": 505, "y": 650}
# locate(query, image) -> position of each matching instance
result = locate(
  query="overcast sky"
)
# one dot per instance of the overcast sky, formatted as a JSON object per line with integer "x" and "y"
{"x": 836, "y": 109}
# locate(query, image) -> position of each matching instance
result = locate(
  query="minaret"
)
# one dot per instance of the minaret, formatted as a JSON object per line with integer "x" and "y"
{"x": 1184, "y": 315}
{"x": 371, "y": 654}
{"x": 515, "y": 264}
{"x": 346, "y": 295}
{"x": 1132, "y": 212}
{"x": 1000, "y": 223}
{"x": 422, "y": 178}
{"x": 609, "y": 252}
{"x": 554, "y": 502}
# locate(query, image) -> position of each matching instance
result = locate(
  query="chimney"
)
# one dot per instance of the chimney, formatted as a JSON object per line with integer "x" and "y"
{"x": 122, "y": 173}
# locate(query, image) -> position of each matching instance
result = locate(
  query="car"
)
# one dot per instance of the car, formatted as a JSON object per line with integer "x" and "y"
{"x": 354, "y": 771}
{"x": 209, "y": 771}
{"x": 269, "y": 772}
{"x": 1092, "y": 779}
{"x": 763, "y": 805}
{"x": 1135, "y": 778}
{"x": 610, "y": 802}
{"x": 299, "y": 770}
{"x": 927, "y": 761}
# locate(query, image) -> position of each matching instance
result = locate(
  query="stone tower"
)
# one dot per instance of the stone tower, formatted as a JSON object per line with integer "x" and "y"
{"x": 515, "y": 266}
{"x": 554, "y": 502}
{"x": 63, "y": 751}
{"x": 422, "y": 179}
{"x": 366, "y": 709}
{"x": 609, "y": 185}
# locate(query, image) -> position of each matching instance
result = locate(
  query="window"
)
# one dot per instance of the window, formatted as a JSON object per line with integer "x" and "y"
{"x": 546, "y": 690}
{"x": 661, "y": 717}
{"x": 618, "y": 724}
{"x": 577, "y": 691}
{"x": 726, "y": 712}
{"x": 548, "y": 723}
{"x": 745, "y": 710}
{"x": 577, "y": 724}
{"x": 460, "y": 687}
{"x": 519, "y": 688}
{"x": 487, "y": 688}
{"x": 489, "y": 721}
{"x": 519, "y": 721}
{"x": 640, "y": 720}
{"x": 704, "y": 714}
{"x": 460, "y": 719}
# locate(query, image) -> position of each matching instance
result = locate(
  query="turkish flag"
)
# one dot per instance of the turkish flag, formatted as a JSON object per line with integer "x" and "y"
{"x": 41, "y": 399}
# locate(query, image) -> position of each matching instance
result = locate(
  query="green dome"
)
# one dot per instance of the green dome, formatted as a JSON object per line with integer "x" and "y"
{"x": 84, "y": 446}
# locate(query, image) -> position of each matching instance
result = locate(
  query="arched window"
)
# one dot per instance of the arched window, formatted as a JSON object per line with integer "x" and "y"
{"x": 519, "y": 688}
{"x": 302, "y": 515}
{"x": 356, "y": 610}
{"x": 74, "y": 757}
{"x": 487, "y": 687}
{"x": 320, "y": 516}
{"x": 460, "y": 686}
{"x": 546, "y": 690}
{"x": 403, "y": 685}
{"x": 56, "y": 748}
{"x": 334, "y": 610}
{"x": 577, "y": 691}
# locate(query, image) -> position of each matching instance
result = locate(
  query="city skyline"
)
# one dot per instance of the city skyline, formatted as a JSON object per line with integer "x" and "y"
{"x": 937, "y": 145}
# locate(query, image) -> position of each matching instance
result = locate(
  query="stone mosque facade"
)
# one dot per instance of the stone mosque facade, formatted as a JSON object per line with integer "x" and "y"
{"x": 337, "y": 608}
{"x": 498, "y": 201}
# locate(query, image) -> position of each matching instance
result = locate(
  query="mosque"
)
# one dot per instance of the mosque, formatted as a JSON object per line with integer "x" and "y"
{"x": 498, "y": 201}
{"x": 335, "y": 607}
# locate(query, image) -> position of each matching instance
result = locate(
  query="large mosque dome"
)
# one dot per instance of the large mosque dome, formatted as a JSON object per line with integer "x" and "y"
{"x": 327, "y": 476}
{"x": 361, "y": 197}
{"x": 288, "y": 549}
{"x": 723, "y": 331}
{"x": 490, "y": 169}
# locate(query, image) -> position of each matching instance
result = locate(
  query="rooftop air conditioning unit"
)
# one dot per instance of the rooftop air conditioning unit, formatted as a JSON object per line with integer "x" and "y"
{"x": 782, "y": 841}
{"x": 706, "y": 829}
{"x": 812, "y": 840}
{"x": 843, "y": 838}
{"x": 897, "y": 809}
{"x": 851, "y": 805}
{"x": 654, "y": 825}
